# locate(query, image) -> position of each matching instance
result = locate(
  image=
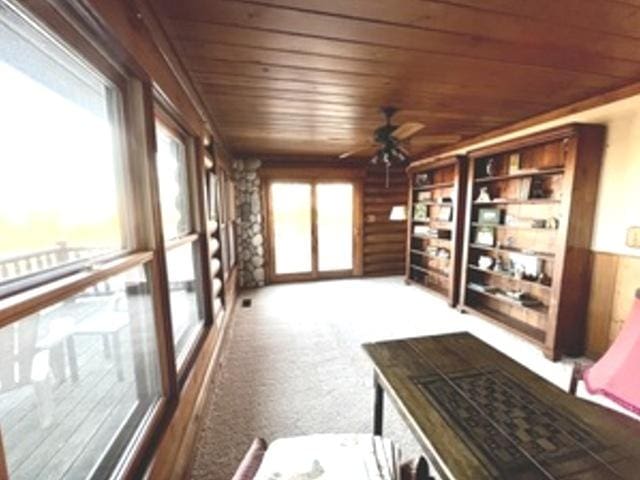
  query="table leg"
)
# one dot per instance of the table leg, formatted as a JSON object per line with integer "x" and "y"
{"x": 378, "y": 406}
{"x": 117, "y": 355}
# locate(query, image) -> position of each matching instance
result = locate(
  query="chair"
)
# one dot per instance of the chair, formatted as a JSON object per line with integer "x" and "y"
{"x": 24, "y": 364}
{"x": 615, "y": 375}
{"x": 107, "y": 324}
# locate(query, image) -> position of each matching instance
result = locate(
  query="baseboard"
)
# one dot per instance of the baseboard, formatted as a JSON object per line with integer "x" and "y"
{"x": 173, "y": 459}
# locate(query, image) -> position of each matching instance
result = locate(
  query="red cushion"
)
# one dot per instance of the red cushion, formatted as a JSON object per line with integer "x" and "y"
{"x": 416, "y": 469}
{"x": 251, "y": 461}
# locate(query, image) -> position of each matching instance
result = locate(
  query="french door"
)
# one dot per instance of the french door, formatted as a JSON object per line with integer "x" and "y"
{"x": 313, "y": 229}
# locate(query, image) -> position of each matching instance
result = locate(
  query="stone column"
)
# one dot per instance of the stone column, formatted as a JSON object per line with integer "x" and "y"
{"x": 251, "y": 233}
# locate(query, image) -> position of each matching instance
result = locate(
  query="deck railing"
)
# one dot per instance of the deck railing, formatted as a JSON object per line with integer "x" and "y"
{"x": 23, "y": 266}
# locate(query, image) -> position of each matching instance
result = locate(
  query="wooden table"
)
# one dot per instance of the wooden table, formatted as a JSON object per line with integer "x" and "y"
{"x": 480, "y": 415}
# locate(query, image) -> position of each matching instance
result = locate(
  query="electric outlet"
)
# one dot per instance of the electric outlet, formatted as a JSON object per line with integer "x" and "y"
{"x": 633, "y": 237}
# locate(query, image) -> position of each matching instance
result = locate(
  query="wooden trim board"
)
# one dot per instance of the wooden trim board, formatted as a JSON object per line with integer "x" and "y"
{"x": 174, "y": 454}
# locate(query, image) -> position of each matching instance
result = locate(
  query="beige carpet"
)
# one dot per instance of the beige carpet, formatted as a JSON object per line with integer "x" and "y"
{"x": 294, "y": 365}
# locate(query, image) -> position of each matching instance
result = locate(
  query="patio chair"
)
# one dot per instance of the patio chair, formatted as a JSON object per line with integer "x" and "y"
{"x": 24, "y": 364}
{"x": 107, "y": 324}
{"x": 615, "y": 375}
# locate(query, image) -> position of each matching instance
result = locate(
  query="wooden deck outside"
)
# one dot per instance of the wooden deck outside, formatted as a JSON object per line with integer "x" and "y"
{"x": 88, "y": 412}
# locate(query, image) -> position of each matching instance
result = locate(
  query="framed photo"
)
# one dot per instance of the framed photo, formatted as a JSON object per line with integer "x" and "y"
{"x": 445, "y": 214}
{"x": 485, "y": 236}
{"x": 530, "y": 265}
{"x": 425, "y": 196}
{"x": 420, "y": 212}
{"x": 489, "y": 216}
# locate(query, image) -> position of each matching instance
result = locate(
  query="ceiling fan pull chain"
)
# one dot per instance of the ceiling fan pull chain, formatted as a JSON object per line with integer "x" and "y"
{"x": 386, "y": 181}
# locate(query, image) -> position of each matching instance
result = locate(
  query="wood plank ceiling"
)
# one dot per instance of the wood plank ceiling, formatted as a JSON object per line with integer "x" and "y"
{"x": 305, "y": 78}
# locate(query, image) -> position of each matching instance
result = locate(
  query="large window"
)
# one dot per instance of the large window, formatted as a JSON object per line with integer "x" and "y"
{"x": 80, "y": 360}
{"x": 183, "y": 259}
{"x": 59, "y": 199}
{"x": 76, "y": 379}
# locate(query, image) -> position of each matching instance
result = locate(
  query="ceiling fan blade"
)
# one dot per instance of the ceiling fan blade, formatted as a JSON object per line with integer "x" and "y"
{"x": 436, "y": 138}
{"x": 407, "y": 129}
{"x": 356, "y": 151}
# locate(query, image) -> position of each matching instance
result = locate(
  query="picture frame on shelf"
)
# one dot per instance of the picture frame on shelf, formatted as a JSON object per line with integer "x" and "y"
{"x": 425, "y": 196}
{"x": 485, "y": 236}
{"x": 445, "y": 214}
{"x": 489, "y": 216}
{"x": 420, "y": 212}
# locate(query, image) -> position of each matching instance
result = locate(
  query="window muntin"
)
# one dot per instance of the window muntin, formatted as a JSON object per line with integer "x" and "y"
{"x": 77, "y": 379}
{"x": 62, "y": 165}
{"x": 173, "y": 178}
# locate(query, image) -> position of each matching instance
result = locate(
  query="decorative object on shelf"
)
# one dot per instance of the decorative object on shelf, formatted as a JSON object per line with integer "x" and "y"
{"x": 489, "y": 216}
{"x": 491, "y": 167}
{"x": 552, "y": 223}
{"x": 633, "y": 237}
{"x": 422, "y": 180}
{"x": 421, "y": 230}
{"x": 524, "y": 189}
{"x": 425, "y": 196}
{"x": 420, "y": 212}
{"x": 485, "y": 262}
{"x": 483, "y": 196}
{"x": 498, "y": 265}
{"x": 538, "y": 189}
{"x": 544, "y": 279}
{"x": 510, "y": 242}
{"x": 538, "y": 223}
{"x": 448, "y": 200}
{"x": 482, "y": 287}
{"x": 432, "y": 251}
{"x": 514, "y": 163}
{"x": 443, "y": 253}
{"x": 518, "y": 271}
{"x": 398, "y": 213}
{"x": 529, "y": 265}
{"x": 523, "y": 298}
{"x": 445, "y": 214}
{"x": 524, "y": 222}
{"x": 485, "y": 236}
{"x": 437, "y": 233}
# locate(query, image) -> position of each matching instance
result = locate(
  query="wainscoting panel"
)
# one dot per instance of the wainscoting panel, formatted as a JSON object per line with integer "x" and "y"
{"x": 614, "y": 281}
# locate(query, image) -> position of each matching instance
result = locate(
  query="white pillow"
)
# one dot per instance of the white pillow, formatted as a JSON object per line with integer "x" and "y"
{"x": 330, "y": 457}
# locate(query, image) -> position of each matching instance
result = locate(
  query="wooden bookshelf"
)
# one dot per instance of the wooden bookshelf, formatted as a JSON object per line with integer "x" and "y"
{"x": 435, "y": 225}
{"x": 528, "y": 225}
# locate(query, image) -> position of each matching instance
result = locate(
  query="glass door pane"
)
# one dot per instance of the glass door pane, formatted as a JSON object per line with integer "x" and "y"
{"x": 334, "y": 203}
{"x": 291, "y": 209}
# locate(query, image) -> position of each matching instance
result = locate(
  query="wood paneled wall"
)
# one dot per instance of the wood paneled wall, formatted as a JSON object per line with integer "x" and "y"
{"x": 384, "y": 240}
{"x": 614, "y": 281}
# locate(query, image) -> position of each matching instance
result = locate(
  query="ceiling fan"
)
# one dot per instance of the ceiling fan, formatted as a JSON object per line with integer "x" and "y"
{"x": 391, "y": 140}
